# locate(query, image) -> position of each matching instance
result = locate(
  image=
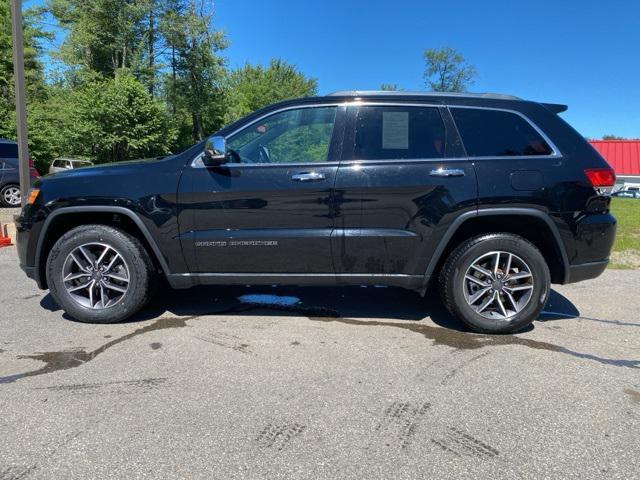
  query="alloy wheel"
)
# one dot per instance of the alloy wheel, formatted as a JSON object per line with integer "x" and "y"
{"x": 498, "y": 285}
{"x": 96, "y": 276}
{"x": 11, "y": 195}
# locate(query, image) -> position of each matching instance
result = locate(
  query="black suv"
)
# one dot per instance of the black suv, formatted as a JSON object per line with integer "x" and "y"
{"x": 492, "y": 197}
{"x": 9, "y": 178}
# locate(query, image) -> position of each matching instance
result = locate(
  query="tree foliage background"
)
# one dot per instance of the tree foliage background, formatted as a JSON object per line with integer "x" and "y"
{"x": 132, "y": 78}
{"x": 144, "y": 78}
{"x": 447, "y": 70}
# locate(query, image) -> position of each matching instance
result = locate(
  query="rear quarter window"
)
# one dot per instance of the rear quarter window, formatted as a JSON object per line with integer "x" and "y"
{"x": 496, "y": 133}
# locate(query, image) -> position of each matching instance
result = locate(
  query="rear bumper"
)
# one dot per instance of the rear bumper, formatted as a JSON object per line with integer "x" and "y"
{"x": 593, "y": 240}
{"x": 586, "y": 271}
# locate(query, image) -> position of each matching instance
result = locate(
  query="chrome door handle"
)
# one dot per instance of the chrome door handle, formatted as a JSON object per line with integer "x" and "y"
{"x": 307, "y": 177}
{"x": 447, "y": 172}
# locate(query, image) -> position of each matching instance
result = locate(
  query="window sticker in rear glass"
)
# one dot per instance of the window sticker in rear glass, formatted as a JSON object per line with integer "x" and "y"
{"x": 395, "y": 130}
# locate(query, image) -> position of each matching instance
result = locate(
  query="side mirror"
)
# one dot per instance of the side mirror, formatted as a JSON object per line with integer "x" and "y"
{"x": 215, "y": 151}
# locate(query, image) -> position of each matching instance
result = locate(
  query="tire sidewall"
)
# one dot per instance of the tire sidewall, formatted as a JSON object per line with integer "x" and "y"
{"x": 541, "y": 283}
{"x": 139, "y": 274}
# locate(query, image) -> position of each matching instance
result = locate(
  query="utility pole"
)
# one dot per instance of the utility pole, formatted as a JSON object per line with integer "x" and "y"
{"x": 21, "y": 98}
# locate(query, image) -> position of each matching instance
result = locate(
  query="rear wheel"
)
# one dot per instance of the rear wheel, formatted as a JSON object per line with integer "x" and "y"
{"x": 99, "y": 274}
{"x": 10, "y": 196}
{"x": 496, "y": 283}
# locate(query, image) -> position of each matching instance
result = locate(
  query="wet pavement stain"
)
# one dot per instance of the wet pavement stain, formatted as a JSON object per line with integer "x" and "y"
{"x": 56, "y": 361}
{"x": 440, "y": 336}
{"x": 155, "y": 345}
{"x": 633, "y": 394}
{"x": 64, "y": 360}
{"x": 470, "y": 341}
{"x": 619, "y": 323}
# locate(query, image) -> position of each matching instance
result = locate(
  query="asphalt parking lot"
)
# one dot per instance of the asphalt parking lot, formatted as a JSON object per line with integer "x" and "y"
{"x": 319, "y": 383}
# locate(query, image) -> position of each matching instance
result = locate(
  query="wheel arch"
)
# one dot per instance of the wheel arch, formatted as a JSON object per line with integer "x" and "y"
{"x": 63, "y": 219}
{"x": 532, "y": 224}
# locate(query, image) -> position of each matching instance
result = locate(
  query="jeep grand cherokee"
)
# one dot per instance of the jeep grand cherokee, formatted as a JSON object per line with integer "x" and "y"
{"x": 489, "y": 196}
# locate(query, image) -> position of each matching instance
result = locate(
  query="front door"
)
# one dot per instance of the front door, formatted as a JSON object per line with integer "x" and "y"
{"x": 269, "y": 209}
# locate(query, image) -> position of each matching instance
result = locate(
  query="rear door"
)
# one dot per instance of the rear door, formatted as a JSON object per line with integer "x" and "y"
{"x": 8, "y": 162}
{"x": 516, "y": 163}
{"x": 269, "y": 210}
{"x": 403, "y": 179}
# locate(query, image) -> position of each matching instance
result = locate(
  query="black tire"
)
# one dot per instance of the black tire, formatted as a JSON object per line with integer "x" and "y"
{"x": 140, "y": 270}
{"x": 452, "y": 282}
{"x": 3, "y": 192}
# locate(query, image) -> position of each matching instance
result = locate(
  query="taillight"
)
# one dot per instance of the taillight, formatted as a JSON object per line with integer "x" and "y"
{"x": 602, "y": 179}
{"x": 32, "y": 169}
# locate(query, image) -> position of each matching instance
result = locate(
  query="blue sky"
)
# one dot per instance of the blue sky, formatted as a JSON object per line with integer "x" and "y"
{"x": 583, "y": 53}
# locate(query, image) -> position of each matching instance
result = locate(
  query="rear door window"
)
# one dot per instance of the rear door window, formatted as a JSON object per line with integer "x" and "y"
{"x": 8, "y": 150}
{"x": 497, "y": 133}
{"x": 398, "y": 133}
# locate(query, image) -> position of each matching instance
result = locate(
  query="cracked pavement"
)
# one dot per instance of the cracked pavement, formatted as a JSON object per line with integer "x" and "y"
{"x": 343, "y": 383}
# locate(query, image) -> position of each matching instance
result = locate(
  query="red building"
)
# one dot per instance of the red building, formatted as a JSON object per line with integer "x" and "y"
{"x": 623, "y": 156}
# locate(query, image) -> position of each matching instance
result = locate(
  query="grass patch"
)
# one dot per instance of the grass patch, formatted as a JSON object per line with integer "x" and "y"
{"x": 626, "y": 249}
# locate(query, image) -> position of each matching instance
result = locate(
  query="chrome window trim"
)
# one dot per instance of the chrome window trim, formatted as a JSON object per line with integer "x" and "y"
{"x": 277, "y": 165}
{"x": 556, "y": 152}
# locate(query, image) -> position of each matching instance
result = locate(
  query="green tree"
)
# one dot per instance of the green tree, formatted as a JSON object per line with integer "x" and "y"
{"x": 389, "y": 87}
{"x": 612, "y": 137}
{"x": 447, "y": 70}
{"x": 252, "y": 87}
{"x": 102, "y": 35}
{"x": 193, "y": 88}
{"x": 117, "y": 119}
{"x": 37, "y": 91}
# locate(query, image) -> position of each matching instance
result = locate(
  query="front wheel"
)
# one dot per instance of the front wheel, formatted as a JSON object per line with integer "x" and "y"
{"x": 495, "y": 283}
{"x": 99, "y": 274}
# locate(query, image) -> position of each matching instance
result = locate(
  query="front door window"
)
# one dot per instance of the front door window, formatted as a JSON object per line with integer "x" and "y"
{"x": 292, "y": 136}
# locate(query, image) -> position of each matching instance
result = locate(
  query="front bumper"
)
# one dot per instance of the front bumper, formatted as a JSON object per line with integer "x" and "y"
{"x": 32, "y": 272}
{"x": 26, "y": 246}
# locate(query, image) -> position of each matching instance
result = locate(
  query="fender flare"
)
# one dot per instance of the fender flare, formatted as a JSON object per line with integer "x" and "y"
{"x": 100, "y": 209}
{"x": 485, "y": 212}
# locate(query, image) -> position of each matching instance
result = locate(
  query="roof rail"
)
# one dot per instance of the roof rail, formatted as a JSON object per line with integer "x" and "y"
{"x": 374, "y": 93}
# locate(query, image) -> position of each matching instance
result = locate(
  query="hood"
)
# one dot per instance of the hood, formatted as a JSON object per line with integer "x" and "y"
{"x": 104, "y": 168}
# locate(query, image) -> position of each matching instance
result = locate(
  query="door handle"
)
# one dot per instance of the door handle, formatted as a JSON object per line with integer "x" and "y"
{"x": 307, "y": 177}
{"x": 447, "y": 172}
